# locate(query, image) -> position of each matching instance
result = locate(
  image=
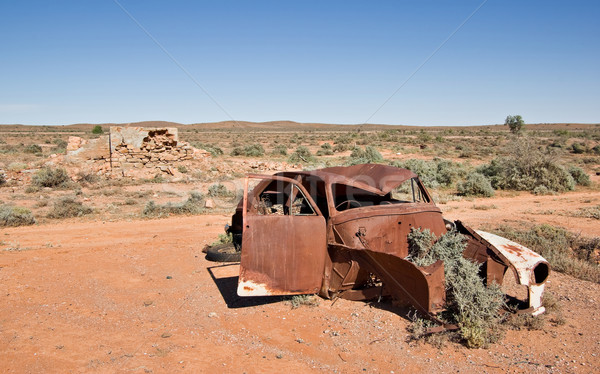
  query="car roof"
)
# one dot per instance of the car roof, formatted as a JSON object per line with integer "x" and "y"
{"x": 375, "y": 178}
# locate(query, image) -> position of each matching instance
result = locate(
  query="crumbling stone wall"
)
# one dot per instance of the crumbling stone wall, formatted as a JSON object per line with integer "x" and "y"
{"x": 132, "y": 150}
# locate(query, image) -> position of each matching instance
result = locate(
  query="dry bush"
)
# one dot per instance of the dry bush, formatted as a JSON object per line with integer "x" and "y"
{"x": 13, "y": 216}
{"x": 51, "y": 177}
{"x": 476, "y": 184}
{"x": 193, "y": 205}
{"x": 68, "y": 207}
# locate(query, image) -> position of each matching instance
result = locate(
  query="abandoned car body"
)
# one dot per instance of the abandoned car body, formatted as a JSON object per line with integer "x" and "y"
{"x": 342, "y": 232}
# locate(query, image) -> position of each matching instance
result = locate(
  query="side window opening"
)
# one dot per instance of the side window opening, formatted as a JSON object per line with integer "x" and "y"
{"x": 283, "y": 198}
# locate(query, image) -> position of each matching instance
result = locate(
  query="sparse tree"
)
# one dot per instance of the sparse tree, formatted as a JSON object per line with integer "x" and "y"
{"x": 97, "y": 130}
{"x": 514, "y": 123}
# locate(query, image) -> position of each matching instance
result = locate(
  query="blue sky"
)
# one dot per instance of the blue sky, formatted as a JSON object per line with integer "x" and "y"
{"x": 64, "y": 62}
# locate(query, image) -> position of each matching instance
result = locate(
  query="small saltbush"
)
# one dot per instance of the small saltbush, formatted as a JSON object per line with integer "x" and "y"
{"x": 253, "y": 150}
{"x": 301, "y": 154}
{"x": 326, "y": 150}
{"x": 15, "y": 216}
{"x": 476, "y": 184}
{"x": 68, "y": 207}
{"x": 33, "y": 148}
{"x": 51, "y": 177}
{"x": 2, "y": 179}
{"x": 435, "y": 173}
{"x": 470, "y": 304}
{"x": 369, "y": 155}
{"x": 280, "y": 150}
{"x": 193, "y": 205}
{"x": 219, "y": 190}
{"x": 213, "y": 149}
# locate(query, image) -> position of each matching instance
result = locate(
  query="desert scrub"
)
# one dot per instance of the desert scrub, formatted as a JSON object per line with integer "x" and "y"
{"x": 476, "y": 184}
{"x": 369, "y": 155}
{"x": 68, "y": 207}
{"x": 214, "y": 150}
{"x": 301, "y": 154}
{"x": 307, "y": 300}
{"x": 12, "y": 216}
{"x": 219, "y": 190}
{"x": 566, "y": 252}
{"x": 325, "y": 150}
{"x": 579, "y": 176}
{"x": 279, "y": 150}
{"x": 589, "y": 212}
{"x": 223, "y": 239}
{"x": 2, "y": 179}
{"x": 51, "y": 177}
{"x": 253, "y": 150}
{"x": 527, "y": 167}
{"x": 435, "y": 173}
{"x": 470, "y": 304}
{"x": 193, "y": 205}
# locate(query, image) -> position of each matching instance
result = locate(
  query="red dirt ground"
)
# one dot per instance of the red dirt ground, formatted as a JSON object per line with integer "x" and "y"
{"x": 138, "y": 296}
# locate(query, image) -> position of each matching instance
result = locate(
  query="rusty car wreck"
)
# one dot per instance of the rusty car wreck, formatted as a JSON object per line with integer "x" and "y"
{"x": 342, "y": 232}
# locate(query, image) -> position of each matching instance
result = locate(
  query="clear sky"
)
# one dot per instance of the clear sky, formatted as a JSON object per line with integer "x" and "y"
{"x": 64, "y": 62}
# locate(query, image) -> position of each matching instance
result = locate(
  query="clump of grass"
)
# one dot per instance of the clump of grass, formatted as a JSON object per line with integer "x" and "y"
{"x": 12, "y": 216}
{"x": 301, "y": 154}
{"x": 566, "y": 252}
{"x": 51, "y": 177}
{"x": 470, "y": 304}
{"x": 304, "y": 300}
{"x": 182, "y": 169}
{"x": 68, "y": 207}
{"x": 88, "y": 178}
{"x": 193, "y": 205}
{"x": 368, "y": 155}
{"x": 476, "y": 184}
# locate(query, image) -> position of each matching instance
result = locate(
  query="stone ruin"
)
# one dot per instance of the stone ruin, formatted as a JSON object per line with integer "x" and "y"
{"x": 133, "y": 152}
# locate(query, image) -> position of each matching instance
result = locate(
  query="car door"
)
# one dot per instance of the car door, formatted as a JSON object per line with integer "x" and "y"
{"x": 283, "y": 239}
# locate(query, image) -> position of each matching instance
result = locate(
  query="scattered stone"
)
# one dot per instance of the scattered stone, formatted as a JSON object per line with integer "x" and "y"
{"x": 209, "y": 203}
{"x": 166, "y": 335}
{"x": 169, "y": 277}
{"x": 212, "y": 315}
{"x": 148, "y": 302}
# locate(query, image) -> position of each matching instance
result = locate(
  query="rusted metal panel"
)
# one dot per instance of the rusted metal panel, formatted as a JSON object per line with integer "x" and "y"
{"x": 279, "y": 257}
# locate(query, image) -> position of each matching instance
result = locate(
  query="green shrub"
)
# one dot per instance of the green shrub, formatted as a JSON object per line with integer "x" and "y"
{"x": 253, "y": 150}
{"x": 51, "y": 177}
{"x": 470, "y": 304}
{"x": 526, "y": 168}
{"x": 60, "y": 144}
{"x": 97, "y": 130}
{"x": 326, "y": 150}
{"x": 219, "y": 190}
{"x": 340, "y": 148}
{"x": 301, "y": 154}
{"x": 13, "y": 216}
{"x": 213, "y": 149}
{"x": 578, "y": 148}
{"x": 369, "y": 155}
{"x": 68, "y": 207}
{"x": 182, "y": 169}
{"x": 579, "y": 176}
{"x": 193, "y": 205}
{"x": 280, "y": 150}
{"x": 476, "y": 184}
{"x": 33, "y": 148}
{"x": 223, "y": 239}
{"x": 436, "y": 173}
{"x": 566, "y": 252}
